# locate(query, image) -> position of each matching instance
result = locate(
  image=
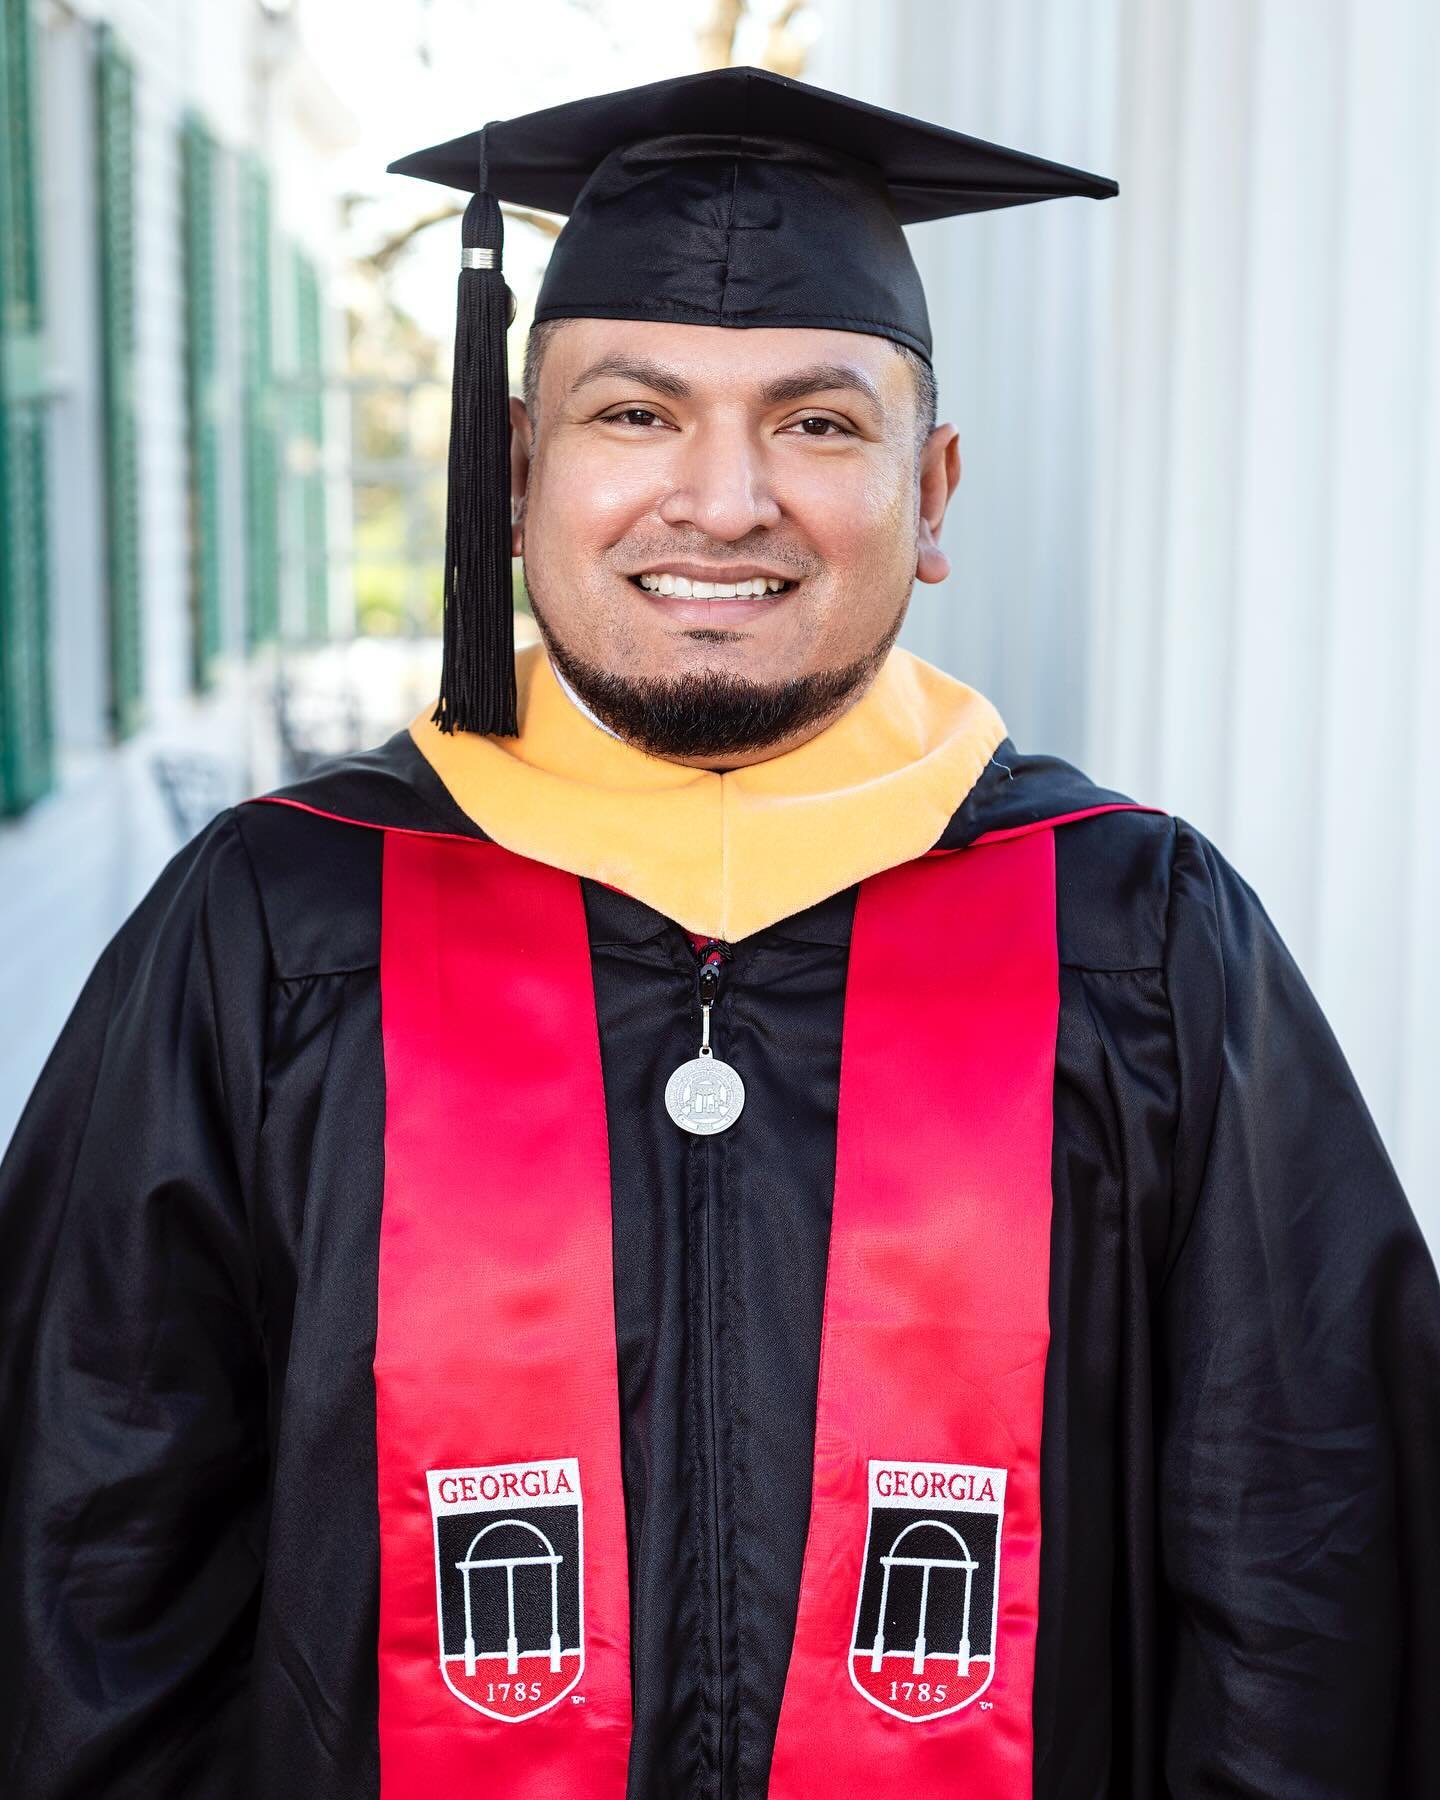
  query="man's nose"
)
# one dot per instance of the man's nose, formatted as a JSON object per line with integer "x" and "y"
{"x": 721, "y": 485}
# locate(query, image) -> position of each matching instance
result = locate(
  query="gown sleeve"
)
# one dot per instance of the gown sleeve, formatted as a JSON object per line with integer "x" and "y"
{"x": 1298, "y": 1393}
{"x": 132, "y": 1379}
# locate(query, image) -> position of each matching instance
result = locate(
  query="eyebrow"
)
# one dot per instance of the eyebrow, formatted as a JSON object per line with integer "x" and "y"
{"x": 819, "y": 378}
{"x": 629, "y": 368}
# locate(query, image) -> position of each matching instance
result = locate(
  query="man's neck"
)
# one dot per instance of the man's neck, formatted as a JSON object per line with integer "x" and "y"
{"x": 580, "y": 706}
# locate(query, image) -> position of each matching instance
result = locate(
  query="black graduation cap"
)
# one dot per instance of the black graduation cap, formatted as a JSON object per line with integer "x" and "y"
{"x": 734, "y": 197}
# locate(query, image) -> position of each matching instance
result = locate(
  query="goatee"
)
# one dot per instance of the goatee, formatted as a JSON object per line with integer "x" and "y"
{"x": 710, "y": 712}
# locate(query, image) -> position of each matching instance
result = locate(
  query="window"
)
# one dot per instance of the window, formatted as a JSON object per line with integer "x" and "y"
{"x": 199, "y": 162}
{"x": 306, "y": 456}
{"x": 262, "y": 549}
{"x": 26, "y": 753}
{"x": 116, "y": 130}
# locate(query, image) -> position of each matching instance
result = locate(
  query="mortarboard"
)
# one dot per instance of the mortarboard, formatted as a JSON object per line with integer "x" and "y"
{"x": 735, "y": 197}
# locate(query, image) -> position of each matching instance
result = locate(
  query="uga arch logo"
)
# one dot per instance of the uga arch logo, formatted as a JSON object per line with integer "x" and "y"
{"x": 509, "y": 1584}
{"x": 928, "y": 1605}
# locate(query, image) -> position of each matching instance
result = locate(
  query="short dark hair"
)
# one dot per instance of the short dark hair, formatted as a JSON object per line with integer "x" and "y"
{"x": 926, "y": 397}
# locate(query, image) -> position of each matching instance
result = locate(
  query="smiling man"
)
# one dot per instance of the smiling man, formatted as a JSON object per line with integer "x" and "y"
{"x": 696, "y": 1223}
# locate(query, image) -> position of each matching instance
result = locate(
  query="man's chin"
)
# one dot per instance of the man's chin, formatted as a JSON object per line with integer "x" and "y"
{"x": 710, "y": 713}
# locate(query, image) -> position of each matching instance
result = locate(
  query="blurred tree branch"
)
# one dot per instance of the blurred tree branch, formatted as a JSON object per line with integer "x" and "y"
{"x": 715, "y": 39}
{"x": 786, "y": 49}
{"x": 786, "y": 52}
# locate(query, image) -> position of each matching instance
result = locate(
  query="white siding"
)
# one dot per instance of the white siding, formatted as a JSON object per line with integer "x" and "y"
{"x": 75, "y": 865}
{"x": 1201, "y": 553}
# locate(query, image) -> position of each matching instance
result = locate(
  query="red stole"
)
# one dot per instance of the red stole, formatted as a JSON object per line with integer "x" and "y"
{"x": 495, "y": 1346}
{"x": 932, "y": 1360}
{"x": 503, "y": 1642}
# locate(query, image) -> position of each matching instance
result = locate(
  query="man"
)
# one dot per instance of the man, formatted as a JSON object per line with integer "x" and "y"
{"x": 696, "y": 1223}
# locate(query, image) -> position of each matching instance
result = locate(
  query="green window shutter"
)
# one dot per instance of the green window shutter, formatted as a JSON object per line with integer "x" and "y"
{"x": 116, "y": 193}
{"x": 199, "y": 162}
{"x": 26, "y": 754}
{"x": 309, "y": 431}
{"x": 262, "y": 536}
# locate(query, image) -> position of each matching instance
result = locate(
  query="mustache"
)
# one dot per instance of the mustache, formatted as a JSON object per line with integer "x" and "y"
{"x": 796, "y": 562}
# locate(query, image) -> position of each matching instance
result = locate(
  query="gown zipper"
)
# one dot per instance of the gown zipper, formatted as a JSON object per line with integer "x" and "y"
{"x": 711, "y": 958}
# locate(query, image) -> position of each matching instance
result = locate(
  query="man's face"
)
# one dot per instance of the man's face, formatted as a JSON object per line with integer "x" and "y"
{"x": 691, "y": 454}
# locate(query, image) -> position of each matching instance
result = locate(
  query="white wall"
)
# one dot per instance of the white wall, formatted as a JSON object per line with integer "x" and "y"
{"x": 1198, "y": 544}
{"x": 1016, "y": 299}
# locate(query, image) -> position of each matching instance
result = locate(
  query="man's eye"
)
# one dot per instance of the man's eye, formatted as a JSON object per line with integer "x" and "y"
{"x": 821, "y": 427}
{"x": 633, "y": 415}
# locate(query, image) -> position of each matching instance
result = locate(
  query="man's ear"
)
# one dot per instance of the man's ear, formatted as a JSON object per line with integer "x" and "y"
{"x": 939, "y": 478}
{"x": 519, "y": 471}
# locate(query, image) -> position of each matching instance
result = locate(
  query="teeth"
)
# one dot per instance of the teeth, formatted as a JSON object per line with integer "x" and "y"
{"x": 685, "y": 589}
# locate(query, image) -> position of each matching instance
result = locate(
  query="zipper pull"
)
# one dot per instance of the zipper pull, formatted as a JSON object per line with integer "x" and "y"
{"x": 711, "y": 956}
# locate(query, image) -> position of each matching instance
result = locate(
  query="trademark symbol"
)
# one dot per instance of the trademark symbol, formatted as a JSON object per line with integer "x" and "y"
{"x": 987, "y": 1706}
{"x": 577, "y": 1699}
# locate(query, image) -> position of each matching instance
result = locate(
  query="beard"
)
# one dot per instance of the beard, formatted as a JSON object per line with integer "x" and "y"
{"x": 710, "y": 712}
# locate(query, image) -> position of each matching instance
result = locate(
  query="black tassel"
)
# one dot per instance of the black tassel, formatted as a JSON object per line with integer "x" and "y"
{"x": 477, "y": 675}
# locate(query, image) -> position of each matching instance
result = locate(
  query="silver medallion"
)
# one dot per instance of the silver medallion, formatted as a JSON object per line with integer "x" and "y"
{"x": 704, "y": 1095}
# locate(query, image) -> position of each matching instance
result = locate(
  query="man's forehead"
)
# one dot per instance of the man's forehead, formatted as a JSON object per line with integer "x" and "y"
{"x": 699, "y": 357}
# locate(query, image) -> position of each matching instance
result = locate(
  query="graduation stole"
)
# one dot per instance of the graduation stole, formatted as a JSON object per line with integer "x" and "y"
{"x": 504, "y": 1613}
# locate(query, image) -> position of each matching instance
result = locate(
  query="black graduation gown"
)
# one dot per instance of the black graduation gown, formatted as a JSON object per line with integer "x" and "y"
{"x": 1240, "y": 1463}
